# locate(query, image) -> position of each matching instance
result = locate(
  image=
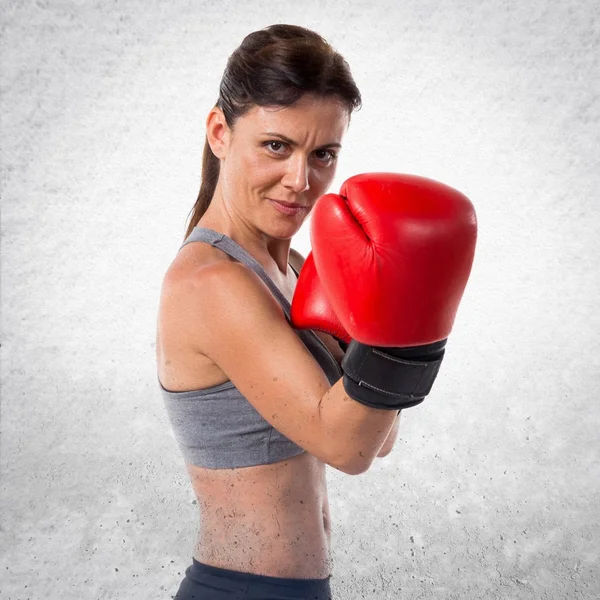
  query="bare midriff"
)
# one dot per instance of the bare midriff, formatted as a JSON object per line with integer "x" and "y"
{"x": 268, "y": 520}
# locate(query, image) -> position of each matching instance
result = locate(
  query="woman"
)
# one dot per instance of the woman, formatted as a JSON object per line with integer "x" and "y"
{"x": 258, "y": 407}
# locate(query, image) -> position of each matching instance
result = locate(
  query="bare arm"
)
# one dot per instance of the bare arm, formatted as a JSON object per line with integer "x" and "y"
{"x": 391, "y": 439}
{"x": 265, "y": 359}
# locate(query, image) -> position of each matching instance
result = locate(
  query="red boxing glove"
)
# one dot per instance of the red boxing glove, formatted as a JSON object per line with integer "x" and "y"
{"x": 393, "y": 254}
{"x": 310, "y": 306}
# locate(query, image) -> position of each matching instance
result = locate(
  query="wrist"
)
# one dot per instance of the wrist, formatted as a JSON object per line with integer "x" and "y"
{"x": 391, "y": 378}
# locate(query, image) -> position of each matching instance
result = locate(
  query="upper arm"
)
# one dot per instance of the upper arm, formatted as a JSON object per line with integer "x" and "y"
{"x": 233, "y": 318}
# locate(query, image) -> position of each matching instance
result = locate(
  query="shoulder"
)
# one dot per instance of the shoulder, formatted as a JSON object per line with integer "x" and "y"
{"x": 223, "y": 284}
{"x": 203, "y": 300}
{"x": 201, "y": 271}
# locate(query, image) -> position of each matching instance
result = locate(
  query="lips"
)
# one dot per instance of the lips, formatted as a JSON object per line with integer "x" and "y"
{"x": 288, "y": 208}
{"x": 290, "y": 204}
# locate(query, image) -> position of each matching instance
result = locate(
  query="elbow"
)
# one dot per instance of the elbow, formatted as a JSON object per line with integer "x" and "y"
{"x": 355, "y": 465}
{"x": 351, "y": 460}
{"x": 358, "y": 470}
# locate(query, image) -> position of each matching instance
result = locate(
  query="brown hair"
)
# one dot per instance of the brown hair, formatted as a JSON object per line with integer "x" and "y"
{"x": 274, "y": 66}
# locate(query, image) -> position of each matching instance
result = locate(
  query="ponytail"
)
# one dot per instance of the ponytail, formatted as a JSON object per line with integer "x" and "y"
{"x": 210, "y": 175}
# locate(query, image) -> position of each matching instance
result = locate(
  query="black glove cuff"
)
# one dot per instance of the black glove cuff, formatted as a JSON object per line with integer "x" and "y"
{"x": 377, "y": 399}
{"x": 391, "y": 378}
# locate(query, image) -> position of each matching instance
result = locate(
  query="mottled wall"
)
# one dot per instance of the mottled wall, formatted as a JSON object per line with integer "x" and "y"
{"x": 493, "y": 488}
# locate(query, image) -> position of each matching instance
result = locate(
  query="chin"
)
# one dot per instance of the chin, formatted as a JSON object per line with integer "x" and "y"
{"x": 282, "y": 231}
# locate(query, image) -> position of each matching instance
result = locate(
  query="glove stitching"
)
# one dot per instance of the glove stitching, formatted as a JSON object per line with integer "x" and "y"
{"x": 355, "y": 372}
{"x": 395, "y": 395}
{"x": 415, "y": 363}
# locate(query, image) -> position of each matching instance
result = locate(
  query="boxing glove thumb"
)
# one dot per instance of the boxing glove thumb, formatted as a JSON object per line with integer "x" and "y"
{"x": 310, "y": 306}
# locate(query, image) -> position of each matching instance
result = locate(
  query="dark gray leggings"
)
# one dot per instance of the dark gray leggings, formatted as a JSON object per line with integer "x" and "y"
{"x": 205, "y": 582}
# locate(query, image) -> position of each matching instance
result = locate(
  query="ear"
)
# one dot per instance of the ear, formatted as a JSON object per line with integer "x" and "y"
{"x": 217, "y": 132}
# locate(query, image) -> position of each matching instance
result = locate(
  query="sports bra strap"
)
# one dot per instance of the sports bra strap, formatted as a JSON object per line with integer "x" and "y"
{"x": 233, "y": 249}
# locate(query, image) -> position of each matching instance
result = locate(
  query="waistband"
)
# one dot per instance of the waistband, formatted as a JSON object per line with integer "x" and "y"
{"x": 199, "y": 569}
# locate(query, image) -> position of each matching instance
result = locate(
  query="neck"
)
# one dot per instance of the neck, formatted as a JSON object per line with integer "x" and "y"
{"x": 271, "y": 253}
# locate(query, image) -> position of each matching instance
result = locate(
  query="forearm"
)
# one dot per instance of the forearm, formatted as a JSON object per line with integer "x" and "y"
{"x": 354, "y": 432}
{"x": 391, "y": 439}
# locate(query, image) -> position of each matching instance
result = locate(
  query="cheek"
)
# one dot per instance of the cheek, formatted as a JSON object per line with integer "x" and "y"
{"x": 321, "y": 180}
{"x": 264, "y": 172}
{"x": 249, "y": 172}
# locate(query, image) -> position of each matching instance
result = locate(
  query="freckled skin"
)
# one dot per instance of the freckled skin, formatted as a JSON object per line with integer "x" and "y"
{"x": 274, "y": 522}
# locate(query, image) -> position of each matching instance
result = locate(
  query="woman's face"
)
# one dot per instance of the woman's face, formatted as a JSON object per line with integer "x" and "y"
{"x": 276, "y": 162}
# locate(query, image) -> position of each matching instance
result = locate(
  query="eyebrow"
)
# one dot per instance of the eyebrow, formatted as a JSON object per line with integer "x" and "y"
{"x": 293, "y": 143}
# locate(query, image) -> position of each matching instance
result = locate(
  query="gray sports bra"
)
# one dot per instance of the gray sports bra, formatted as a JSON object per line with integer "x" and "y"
{"x": 216, "y": 427}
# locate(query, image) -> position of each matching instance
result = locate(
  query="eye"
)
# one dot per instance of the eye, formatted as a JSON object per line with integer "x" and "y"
{"x": 276, "y": 146}
{"x": 326, "y": 156}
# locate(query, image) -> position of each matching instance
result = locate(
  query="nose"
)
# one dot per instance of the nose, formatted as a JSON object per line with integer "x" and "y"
{"x": 296, "y": 174}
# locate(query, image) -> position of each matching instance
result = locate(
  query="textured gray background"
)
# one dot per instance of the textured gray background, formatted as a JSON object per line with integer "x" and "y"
{"x": 493, "y": 488}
